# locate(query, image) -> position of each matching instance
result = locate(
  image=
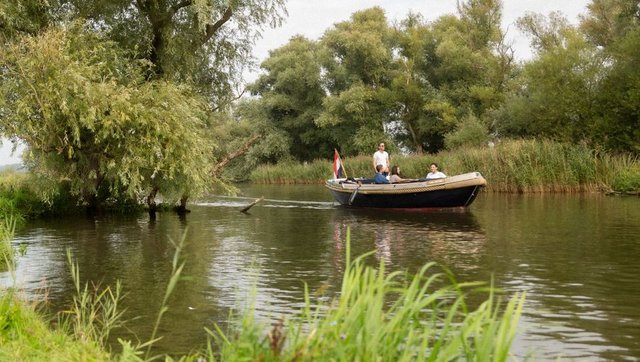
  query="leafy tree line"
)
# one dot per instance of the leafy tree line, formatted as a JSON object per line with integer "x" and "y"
{"x": 424, "y": 86}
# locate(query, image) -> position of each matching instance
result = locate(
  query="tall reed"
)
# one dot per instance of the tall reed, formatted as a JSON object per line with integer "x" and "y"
{"x": 26, "y": 336}
{"x": 7, "y": 253}
{"x": 94, "y": 311}
{"x": 177, "y": 265}
{"x": 510, "y": 166}
{"x": 382, "y": 316}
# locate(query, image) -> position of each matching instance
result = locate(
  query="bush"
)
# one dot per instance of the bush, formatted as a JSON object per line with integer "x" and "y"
{"x": 627, "y": 181}
{"x": 470, "y": 132}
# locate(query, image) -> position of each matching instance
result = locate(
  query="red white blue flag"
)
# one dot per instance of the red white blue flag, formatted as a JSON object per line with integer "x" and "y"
{"x": 338, "y": 170}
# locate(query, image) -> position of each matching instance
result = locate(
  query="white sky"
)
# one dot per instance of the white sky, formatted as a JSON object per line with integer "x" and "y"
{"x": 312, "y": 18}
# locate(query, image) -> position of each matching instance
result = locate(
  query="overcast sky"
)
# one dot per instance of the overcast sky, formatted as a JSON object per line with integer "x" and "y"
{"x": 312, "y": 18}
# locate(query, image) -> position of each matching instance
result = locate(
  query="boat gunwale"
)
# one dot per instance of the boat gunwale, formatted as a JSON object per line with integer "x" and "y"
{"x": 448, "y": 183}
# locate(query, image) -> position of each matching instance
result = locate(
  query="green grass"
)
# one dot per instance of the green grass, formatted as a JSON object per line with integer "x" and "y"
{"x": 627, "y": 181}
{"x": 26, "y": 336}
{"x": 7, "y": 253}
{"x": 510, "y": 166}
{"x": 381, "y": 316}
{"x": 18, "y": 196}
{"x": 378, "y": 316}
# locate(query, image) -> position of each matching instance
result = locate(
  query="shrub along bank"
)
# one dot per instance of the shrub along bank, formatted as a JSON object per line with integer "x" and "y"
{"x": 509, "y": 166}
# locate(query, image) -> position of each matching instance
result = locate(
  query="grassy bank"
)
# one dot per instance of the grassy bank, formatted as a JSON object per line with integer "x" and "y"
{"x": 377, "y": 316}
{"x": 510, "y": 166}
{"x": 25, "y": 335}
{"x": 19, "y": 198}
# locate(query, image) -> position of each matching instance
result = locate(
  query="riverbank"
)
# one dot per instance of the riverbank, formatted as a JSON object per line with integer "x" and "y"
{"x": 518, "y": 166}
{"x": 402, "y": 317}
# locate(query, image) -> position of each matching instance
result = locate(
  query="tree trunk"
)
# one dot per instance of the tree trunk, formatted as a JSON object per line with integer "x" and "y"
{"x": 182, "y": 208}
{"x": 151, "y": 202}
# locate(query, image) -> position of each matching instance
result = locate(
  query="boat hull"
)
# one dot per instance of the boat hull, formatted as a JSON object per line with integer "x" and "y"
{"x": 455, "y": 191}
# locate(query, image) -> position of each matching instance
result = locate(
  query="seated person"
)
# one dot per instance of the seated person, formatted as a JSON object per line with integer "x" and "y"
{"x": 395, "y": 175}
{"x": 434, "y": 172}
{"x": 379, "y": 177}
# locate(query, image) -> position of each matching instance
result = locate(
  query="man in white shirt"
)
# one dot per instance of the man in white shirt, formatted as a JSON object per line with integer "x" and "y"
{"x": 381, "y": 157}
{"x": 434, "y": 172}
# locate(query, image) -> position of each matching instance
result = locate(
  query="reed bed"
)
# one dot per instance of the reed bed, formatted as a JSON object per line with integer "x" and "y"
{"x": 382, "y": 316}
{"x": 509, "y": 166}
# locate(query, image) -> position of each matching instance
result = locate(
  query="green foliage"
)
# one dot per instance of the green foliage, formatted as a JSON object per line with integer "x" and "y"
{"x": 90, "y": 118}
{"x": 559, "y": 88}
{"x": 584, "y": 84}
{"x": 383, "y": 316}
{"x": 356, "y": 56}
{"x": 447, "y": 70}
{"x": 272, "y": 147}
{"x": 22, "y": 16}
{"x": 114, "y": 107}
{"x": 26, "y": 336}
{"x": 609, "y": 20}
{"x": 207, "y": 42}
{"x": 7, "y": 253}
{"x": 291, "y": 98}
{"x": 416, "y": 82}
{"x": 470, "y": 132}
{"x": 627, "y": 181}
{"x": 20, "y": 197}
{"x": 510, "y": 166}
{"x": 617, "y": 123}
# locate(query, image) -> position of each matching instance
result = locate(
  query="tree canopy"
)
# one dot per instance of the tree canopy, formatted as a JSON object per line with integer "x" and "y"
{"x": 415, "y": 84}
{"x": 116, "y": 98}
{"x": 90, "y": 117}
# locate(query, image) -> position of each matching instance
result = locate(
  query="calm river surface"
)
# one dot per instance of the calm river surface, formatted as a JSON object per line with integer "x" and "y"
{"x": 576, "y": 256}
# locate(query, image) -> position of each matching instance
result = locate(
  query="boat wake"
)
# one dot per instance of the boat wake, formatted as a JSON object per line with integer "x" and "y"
{"x": 239, "y": 202}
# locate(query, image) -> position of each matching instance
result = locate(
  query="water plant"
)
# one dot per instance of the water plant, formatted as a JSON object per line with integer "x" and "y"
{"x": 26, "y": 336}
{"x": 381, "y": 316}
{"x": 7, "y": 253}
{"x": 627, "y": 181}
{"x": 95, "y": 311}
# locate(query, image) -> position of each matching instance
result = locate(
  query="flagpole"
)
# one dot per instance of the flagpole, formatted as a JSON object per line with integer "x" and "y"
{"x": 337, "y": 158}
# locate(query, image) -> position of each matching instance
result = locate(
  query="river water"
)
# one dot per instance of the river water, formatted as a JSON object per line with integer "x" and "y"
{"x": 576, "y": 256}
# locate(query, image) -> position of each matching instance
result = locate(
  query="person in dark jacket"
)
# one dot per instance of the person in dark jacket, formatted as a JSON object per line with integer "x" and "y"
{"x": 379, "y": 178}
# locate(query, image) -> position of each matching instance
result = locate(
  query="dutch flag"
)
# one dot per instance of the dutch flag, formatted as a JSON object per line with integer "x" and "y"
{"x": 338, "y": 170}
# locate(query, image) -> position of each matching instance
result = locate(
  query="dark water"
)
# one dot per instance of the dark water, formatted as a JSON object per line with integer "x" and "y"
{"x": 576, "y": 256}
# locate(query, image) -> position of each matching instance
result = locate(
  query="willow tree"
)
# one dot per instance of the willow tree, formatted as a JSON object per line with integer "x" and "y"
{"x": 91, "y": 119}
{"x": 127, "y": 114}
{"x": 207, "y": 42}
{"x": 558, "y": 89}
{"x": 613, "y": 26}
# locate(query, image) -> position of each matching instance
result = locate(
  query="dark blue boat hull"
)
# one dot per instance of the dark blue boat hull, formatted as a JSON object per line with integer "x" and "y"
{"x": 458, "y": 197}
